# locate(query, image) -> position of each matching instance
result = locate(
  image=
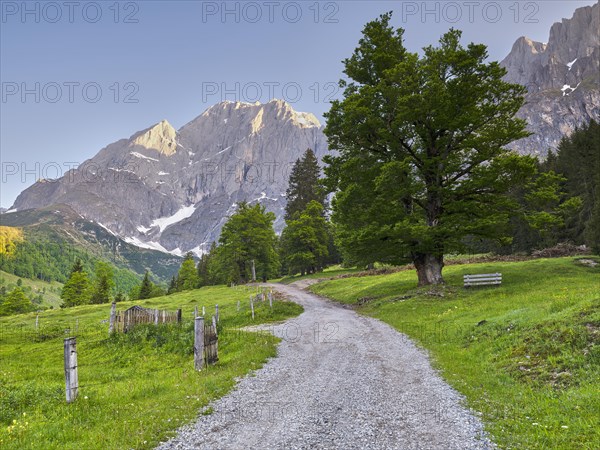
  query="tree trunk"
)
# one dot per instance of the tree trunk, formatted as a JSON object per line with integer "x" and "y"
{"x": 429, "y": 268}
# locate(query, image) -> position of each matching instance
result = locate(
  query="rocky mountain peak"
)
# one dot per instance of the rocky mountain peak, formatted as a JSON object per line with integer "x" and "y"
{"x": 562, "y": 78}
{"x": 160, "y": 137}
{"x": 173, "y": 190}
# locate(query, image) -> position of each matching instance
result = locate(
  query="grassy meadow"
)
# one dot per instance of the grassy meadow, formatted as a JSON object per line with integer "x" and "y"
{"x": 135, "y": 388}
{"x": 50, "y": 291}
{"x": 525, "y": 354}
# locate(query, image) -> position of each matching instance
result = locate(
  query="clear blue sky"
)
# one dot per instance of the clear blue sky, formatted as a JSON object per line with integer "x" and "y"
{"x": 172, "y": 56}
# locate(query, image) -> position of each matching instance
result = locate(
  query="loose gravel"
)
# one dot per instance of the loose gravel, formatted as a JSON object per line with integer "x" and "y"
{"x": 340, "y": 381}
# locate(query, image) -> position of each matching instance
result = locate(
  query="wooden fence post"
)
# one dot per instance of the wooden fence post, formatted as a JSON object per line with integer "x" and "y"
{"x": 179, "y": 315}
{"x": 253, "y": 271}
{"x": 71, "y": 379}
{"x": 113, "y": 316}
{"x": 195, "y": 312}
{"x": 203, "y": 311}
{"x": 198, "y": 342}
{"x": 252, "y": 307}
{"x": 238, "y": 305}
{"x": 217, "y": 312}
{"x": 37, "y": 322}
{"x": 156, "y": 317}
{"x": 271, "y": 299}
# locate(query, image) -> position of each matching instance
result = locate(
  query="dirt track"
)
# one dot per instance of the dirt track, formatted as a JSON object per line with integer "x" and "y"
{"x": 340, "y": 380}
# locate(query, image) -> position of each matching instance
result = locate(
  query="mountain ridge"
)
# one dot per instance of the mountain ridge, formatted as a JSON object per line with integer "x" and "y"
{"x": 187, "y": 180}
{"x": 562, "y": 78}
{"x": 172, "y": 190}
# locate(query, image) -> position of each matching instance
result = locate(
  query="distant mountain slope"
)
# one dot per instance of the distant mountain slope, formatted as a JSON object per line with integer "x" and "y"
{"x": 173, "y": 190}
{"x": 56, "y": 236}
{"x": 562, "y": 77}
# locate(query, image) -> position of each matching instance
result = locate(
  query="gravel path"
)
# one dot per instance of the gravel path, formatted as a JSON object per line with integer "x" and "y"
{"x": 340, "y": 381}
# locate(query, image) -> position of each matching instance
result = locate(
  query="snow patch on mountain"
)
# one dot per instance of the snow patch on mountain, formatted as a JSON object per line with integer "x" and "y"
{"x": 164, "y": 222}
{"x": 143, "y": 229}
{"x": 149, "y": 245}
{"x": 139, "y": 155}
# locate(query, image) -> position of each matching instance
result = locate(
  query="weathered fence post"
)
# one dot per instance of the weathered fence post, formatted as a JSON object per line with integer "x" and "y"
{"x": 113, "y": 316}
{"x": 179, "y": 315}
{"x": 271, "y": 299}
{"x": 214, "y": 323}
{"x": 198, "y": 342}
{"x": 238, "y": 305}
{"x": 37, "y": 322}
{"x": 203, "y": 311}
{"x": 195, "y": 312}
{"x": 71, "y": 380}
{"x": 217, "y": 312}
{"x": 156, "y": 317}
{"x": 252, "y": 307}
{"x": 253, "y": 271}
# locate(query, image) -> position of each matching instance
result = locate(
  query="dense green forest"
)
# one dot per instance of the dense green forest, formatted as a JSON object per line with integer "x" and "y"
{"x": 51, "y": 258}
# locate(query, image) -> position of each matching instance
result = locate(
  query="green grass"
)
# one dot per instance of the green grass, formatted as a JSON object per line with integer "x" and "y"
{"x": 525, "y": 354}
{"x": 135, "y": 389}
{"x": 49, "y": 291}
{"x": 329, "y": 272}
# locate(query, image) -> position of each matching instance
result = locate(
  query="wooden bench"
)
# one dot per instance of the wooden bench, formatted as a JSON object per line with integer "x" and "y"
{"x": 483, "y": 279}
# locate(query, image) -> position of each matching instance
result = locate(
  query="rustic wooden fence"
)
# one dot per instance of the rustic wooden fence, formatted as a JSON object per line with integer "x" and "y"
{"x": 211, "y": 341}
{"x": 123, "y": 321}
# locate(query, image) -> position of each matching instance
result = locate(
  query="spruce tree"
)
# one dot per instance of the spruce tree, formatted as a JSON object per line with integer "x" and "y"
{"x": 146, "y": 287}
{"x": 305, "y": 241}
{"x": 304, "y": 185}
{"x": 172, "y": 286}
{"x": 103, "y": 283}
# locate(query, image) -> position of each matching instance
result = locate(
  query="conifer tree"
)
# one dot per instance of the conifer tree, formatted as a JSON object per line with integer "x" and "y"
{"x": 146, "y": 287}
{"x": 304, "y": 185}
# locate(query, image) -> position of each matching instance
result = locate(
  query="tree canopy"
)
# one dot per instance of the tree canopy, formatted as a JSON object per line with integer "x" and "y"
{"x": 247, "y": 236}
{"x": 305, "y": 240}
{"x": 304, "y": 185}
{"x": 421, "y": 149}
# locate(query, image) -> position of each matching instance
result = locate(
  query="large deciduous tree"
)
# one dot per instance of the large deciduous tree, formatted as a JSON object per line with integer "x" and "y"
{"x": 421, "y": 143}
{"x": 77, "y": 289}
{"x": 187, "y": 278}
{"x": 247, "y": 236}
{"x": 16, "y": 302}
